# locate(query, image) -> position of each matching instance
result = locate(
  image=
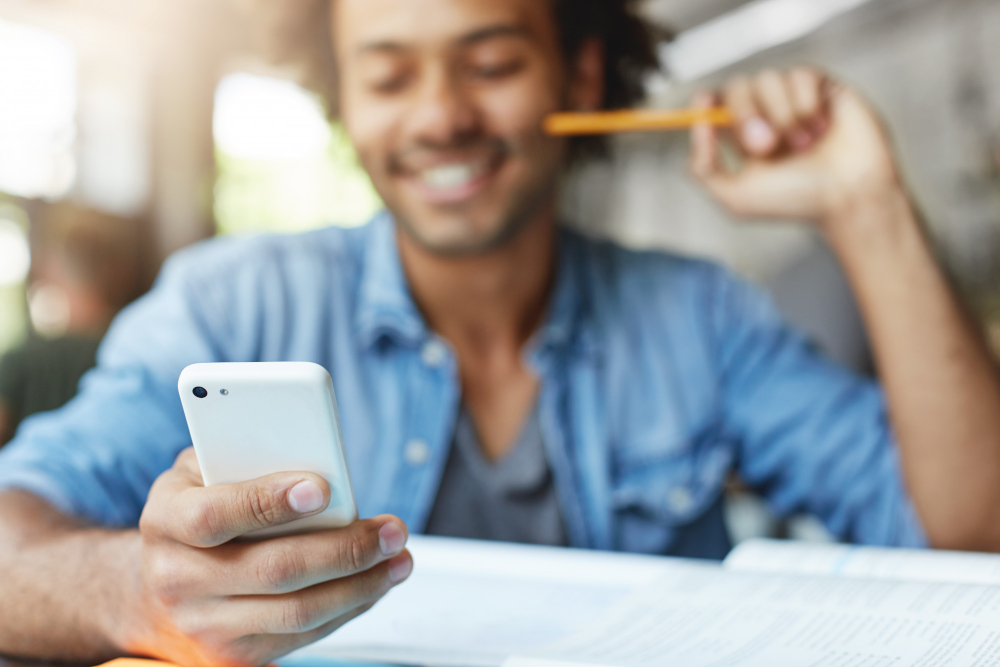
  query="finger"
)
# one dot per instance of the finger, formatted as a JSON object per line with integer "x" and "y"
{"x": 184, "y": 474}
{"x": 755, "y": 135}
{"x": 292, "y": 563}
{"x": 314, "y": 607}
{"x": 761, "y": 190}
{"x": 774, "y": 99}
{"x": 266, "y": 649}
{"x": 774, "y": 96}
{"x": 270, "y": 567}
{"x": 206, "y": 516}
{"x": 187, "y": 466}
{"x": 807, "y": 87}
{"x": 705, "y": 158}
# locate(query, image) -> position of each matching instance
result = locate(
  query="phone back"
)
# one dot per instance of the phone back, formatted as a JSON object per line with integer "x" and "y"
{"x": 248, "y": 420}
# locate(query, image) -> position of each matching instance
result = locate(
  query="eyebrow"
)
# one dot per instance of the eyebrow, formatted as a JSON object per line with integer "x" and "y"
{"x": 496, "y": 31}
{"x": 481, "y": 35}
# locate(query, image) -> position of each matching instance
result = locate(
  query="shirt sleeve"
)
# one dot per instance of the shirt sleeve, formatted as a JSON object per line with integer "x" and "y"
{"x": 813, "y": 437}
{"x": 97, "y": 457}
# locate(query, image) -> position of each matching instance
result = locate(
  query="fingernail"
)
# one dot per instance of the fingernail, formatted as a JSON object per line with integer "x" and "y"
{"x": 400, "y": 568}
{"x": 305, "y": 497}
{"x": 391, "y": 539}
{"x": 757, "y": 134}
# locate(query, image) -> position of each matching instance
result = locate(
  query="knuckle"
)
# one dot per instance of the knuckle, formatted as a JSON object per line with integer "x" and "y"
{"x": 197, "y": 626}
{"x": 280, "y": 568}
{"x": 296, "y": 615}
{"x": 807, "y": 71}
{"x": 801, "y": 73}
{"x": 202, "y": 524}
{"x": 768, "y": 76}
{"x": 166, "y": 577}
{"x": 737, "y": 87}
{"x": 148, "y": 522}
{"x": 260, "y": 505}
{"x": 186, "y": 457}
{"x": 151, "y": 521}
{"x": 355, "y": 552}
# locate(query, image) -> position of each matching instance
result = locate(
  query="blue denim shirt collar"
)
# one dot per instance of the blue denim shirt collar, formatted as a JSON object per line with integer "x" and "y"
{"x": 386, "y": 308}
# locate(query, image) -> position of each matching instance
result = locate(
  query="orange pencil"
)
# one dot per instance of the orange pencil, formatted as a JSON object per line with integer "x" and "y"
{"x": 606, "y": 122}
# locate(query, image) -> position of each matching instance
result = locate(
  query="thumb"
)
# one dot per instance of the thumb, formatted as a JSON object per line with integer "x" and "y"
{"x": 853, "y": 115}
{"x": 212, "y": 515}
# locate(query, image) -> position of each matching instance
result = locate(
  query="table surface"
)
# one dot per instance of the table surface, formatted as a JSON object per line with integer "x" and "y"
{"x": 19, "y": 662}
{"x": 310, "y": 661}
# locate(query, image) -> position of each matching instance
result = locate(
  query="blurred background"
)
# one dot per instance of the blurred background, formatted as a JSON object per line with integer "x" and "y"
{"x": 131, "y": 129}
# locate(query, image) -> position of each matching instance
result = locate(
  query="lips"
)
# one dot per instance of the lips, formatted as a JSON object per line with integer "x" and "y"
{"x": 449, "y": 176}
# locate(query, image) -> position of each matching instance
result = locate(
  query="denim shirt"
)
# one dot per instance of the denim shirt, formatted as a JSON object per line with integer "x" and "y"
{"x": 658, "y": 376}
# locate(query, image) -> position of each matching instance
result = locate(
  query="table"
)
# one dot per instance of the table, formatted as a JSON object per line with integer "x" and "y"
{"x": 296, "y": 662}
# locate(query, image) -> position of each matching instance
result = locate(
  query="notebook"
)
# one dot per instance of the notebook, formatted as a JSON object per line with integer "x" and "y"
{"x": 773, "y": 603}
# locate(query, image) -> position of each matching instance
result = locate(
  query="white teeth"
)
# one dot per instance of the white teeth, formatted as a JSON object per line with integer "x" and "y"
{"x": 451, "y": 176}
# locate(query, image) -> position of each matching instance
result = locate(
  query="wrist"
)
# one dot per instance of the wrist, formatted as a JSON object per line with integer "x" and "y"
{"x": 869, "y": 219}
{"x": 120, "y": 612}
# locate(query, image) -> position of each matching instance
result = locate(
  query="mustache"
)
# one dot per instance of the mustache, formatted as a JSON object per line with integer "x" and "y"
{"x": 423, "y": 151}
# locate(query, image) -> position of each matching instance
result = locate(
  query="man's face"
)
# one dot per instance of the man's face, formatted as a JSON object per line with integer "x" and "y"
{"x": 444, "y": 102}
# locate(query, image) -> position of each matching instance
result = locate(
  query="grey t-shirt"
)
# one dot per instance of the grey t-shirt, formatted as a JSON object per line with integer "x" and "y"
{"x": 512, "y": 500}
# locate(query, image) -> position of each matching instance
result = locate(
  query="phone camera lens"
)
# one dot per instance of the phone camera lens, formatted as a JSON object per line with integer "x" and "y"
{"x": 200, "y": 392}
{"x": 224, "y": 392}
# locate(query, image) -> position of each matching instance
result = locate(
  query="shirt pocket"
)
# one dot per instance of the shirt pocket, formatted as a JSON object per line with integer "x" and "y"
{"x": 660, "y": 487}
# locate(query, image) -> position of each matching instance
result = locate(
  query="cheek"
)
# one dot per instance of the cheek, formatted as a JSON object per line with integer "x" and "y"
{"x": 520, "y": 107}
{"x": 370, "y": 127}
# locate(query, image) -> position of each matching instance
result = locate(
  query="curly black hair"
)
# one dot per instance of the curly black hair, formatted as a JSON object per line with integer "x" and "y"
{"x": 300, "y": 34}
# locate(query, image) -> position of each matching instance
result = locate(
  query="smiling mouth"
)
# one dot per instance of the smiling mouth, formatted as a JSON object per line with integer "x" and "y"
{"x": 454, "y": 181}
{"x": 451, "y": 176}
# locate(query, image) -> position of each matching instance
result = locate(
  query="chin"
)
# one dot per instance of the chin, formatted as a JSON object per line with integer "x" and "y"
{"x": 451, "y": 237}
{"x": 454, "y": 242}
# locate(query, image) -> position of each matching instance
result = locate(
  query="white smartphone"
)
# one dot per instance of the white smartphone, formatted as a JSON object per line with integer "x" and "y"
{"x": 248, "y": 420}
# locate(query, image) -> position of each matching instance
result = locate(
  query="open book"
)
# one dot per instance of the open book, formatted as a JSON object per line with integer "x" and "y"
{"x": 773, "y": 603}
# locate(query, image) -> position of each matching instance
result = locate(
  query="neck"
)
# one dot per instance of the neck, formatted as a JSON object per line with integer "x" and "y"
{"x": 485, "y": 301}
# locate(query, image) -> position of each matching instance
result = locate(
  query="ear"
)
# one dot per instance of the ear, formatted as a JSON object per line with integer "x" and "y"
{"x": 587, "y": 77}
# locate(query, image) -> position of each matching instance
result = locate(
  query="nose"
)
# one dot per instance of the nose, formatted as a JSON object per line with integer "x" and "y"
{"x": 443, "y": 113}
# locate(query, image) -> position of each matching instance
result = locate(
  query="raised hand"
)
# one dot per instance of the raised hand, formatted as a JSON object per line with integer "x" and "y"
{"x": 200, "y": 598}
{"x": 809, "y": 147}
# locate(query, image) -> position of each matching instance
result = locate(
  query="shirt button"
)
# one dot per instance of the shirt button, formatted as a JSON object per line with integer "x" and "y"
{"x": 680, "y": 500}
{"x": 433, "y": 353}
{"x": 416, "y": 452}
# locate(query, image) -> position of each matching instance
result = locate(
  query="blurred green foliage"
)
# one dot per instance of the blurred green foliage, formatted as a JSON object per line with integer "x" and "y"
{"x": 13, "y": 302}
{"x": 13, "y": 316}
{"x": 291, "y": 195}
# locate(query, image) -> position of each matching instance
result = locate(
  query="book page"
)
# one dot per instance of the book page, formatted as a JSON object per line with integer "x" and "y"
{"x": 761, "y": 555}
{"x": 474, "y": 603}
{"x": 719, "y": 618}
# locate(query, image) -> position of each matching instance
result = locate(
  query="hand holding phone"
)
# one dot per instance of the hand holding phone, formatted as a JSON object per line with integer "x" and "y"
{"x": 199, "y": 596}
{"x": 248, "y": 420}
{"x": 269, "y": 462}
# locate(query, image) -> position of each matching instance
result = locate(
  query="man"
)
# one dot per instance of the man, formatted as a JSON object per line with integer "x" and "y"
{"x": 465, "y": 332}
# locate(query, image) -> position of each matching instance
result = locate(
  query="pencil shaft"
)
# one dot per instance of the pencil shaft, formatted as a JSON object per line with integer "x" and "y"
{"x": 606, "y": 122}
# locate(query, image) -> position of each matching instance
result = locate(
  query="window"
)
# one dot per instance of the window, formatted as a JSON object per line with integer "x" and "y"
{"x": 37, "y": 112}
{"x": 282, "y": 166}
{"x": 37, "y": 138}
